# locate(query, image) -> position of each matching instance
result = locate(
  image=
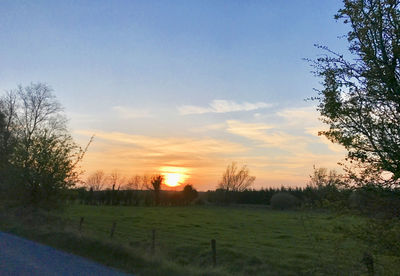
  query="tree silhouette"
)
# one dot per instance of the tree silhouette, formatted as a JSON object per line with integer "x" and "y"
{"x": 3, "y": 146}
{"x": 235, "y": 179}
{"x": 189, "y": 194}
{"x": 96, "y": 180}
{"x": 156, "y": 183}
{"x": 360, "y": 99}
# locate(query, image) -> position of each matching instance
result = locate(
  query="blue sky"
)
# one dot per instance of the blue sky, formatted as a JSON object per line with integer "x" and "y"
{"x": 185, "y": 84}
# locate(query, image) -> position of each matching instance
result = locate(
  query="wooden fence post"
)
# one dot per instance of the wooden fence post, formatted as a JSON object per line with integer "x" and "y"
{"x": 80, "y": 224}
{"x": 113, "y": 229}
{"x": 153, "y": 241}
{"x": 214, "y": 252}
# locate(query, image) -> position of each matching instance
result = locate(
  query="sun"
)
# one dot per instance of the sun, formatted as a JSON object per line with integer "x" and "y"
{"x": 173, "y": 179}
{"x": 174, "y": 176}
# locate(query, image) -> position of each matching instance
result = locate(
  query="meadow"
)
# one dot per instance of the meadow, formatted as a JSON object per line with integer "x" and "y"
{"x": 250, "y": 240}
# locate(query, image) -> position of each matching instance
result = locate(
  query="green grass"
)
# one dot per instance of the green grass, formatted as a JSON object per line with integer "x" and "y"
{"x": 255, "y": 241}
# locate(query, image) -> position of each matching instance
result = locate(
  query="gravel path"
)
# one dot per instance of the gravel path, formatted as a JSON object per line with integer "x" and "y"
{"x": 19, "y": 256}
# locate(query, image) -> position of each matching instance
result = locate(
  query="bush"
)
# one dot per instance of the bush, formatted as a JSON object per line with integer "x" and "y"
{"x": 199, "y": 201}
{"x": 283, "y": 201}
{"x": 189, "y": 194}
{"x": 375, "y": 201}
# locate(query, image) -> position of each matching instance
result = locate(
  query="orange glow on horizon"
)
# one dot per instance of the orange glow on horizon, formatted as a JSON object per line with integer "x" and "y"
{"x": 174, "y": 176}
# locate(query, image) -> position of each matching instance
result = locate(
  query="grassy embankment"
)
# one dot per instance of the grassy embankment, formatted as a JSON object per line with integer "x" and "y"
{"x": 255, "y": 241}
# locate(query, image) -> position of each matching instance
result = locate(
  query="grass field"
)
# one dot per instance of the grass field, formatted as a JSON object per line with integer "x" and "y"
{"x": 250, "y": 240}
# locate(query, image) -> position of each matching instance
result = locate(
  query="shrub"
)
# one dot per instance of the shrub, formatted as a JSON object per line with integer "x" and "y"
{"x": 199, "y": 201}
{"x": 283, "y": 201}
{"x": 189, "y": 194}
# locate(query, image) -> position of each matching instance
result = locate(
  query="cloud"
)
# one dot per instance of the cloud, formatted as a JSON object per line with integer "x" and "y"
{"x": 300, "y": 116}
{"x": 128, "y": 113}
{"x": 221, "y": 106}
{"x": 306, "y": 119}
{"x": 280, "y": 148}
{"x": 168, "y": 144}
{"x": 81, "y": 117}
{"x": 151, "y": 152}
{"x": 267, "y": 135}
{"x": 332, "y": 146}
{"x": 130, "y": 153}
{"x": 207, "y": 128}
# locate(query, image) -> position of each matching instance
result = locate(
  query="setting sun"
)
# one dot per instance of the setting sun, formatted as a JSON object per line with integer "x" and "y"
{"x": 174, "y": 176}
{"x": 172, "y": 179}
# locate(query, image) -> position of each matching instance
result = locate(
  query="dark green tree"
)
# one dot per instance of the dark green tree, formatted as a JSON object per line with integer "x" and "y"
{"x": 360, "y": 99}
{"x": 156, "y": 183}
{"x": 44, "y": 157}
{"x": 189, "y": 194}
{"x": 3, "y": 134}
{"x": 3, "y": 148}
{"x": 7, "y": 141}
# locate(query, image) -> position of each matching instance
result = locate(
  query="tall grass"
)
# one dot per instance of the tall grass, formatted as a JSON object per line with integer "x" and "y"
{"x": 255, "y": 241}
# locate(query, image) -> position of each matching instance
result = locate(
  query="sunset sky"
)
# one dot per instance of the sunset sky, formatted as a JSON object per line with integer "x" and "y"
{"x": 181, "y": 87}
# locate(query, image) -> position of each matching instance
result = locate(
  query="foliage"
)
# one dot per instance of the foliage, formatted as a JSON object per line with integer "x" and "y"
{"x": 381, "y": 235}
{"x": 376, "y": 201}
{"x": 3, "y": 148}
{"x": 360, "y": 100}
{"x": 43, "y": 156}
{"x": 283, "y": 201}
{"x": 261, "y": 196}
{"x": 3, "y": 135}
{"x": 236, "y": 179}
{"x": 321, "y": 178}
{"x": 189, "y": 194}
{"x": 156, "y": 183}
{"x": 326, "y": 189}
{"x": 6, "y": 144}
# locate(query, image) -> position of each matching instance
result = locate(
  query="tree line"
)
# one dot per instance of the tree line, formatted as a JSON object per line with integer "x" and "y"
{"x": 326, "y": 189}
{"x": 114, "y": 189}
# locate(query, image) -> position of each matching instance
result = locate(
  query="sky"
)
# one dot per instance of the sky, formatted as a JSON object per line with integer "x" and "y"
{"x": 183, "y": 87}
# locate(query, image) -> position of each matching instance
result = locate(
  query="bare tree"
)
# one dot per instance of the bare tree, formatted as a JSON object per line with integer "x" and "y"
{"x": 96, "y": 180}
{"x": 115, "y": 180}
{"x": 145, "y": 182}
{"x": 236, "y": 179}
{"x": 34, "y": 110}
{"x": 134, "y": 182}
{"x": 322, "y": 177}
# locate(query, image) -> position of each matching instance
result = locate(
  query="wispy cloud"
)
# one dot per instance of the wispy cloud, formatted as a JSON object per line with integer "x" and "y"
{"x": 333, "y": 147}
{"x": 169, "y": 144}
{"x": 300, "y": 116}
{"x": 208, "y": 128}
{"x": 81, "y": 117}
{"x": 129, "y": 113}
{"x": 266, "y": 135}
{"x": 221, "y": 106}
{"x": 306, "y": 119}
{"x": 280, "y": 148}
